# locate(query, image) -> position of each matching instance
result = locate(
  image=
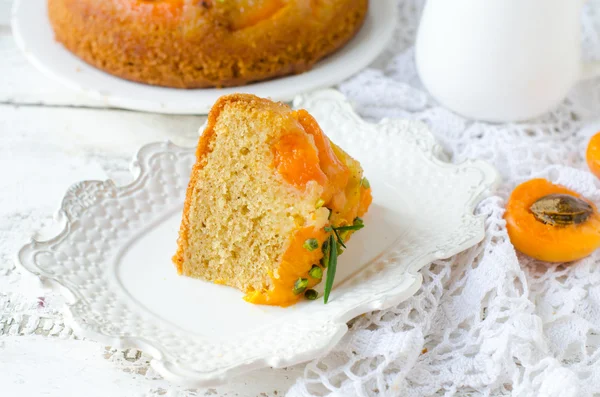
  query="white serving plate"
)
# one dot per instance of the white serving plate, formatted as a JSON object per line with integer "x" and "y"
{"x": 109, "y": 253}
{"x": 34, "y": 36}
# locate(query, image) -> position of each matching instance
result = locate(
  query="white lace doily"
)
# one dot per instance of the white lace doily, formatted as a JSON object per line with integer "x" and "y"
{"x": 488, "y": 321}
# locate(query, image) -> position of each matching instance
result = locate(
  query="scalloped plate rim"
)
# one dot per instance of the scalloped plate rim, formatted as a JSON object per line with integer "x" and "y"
{"x": 196, "y": 378}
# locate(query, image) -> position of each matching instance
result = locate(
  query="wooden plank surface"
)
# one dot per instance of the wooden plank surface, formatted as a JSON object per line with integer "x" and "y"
{"x": 21, "y": 83}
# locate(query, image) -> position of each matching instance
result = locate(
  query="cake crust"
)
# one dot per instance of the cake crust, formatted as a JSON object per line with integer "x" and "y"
{"x": 196, "y": 44}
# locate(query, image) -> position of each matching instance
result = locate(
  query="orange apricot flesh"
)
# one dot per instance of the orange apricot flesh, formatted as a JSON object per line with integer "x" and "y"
{"x": 593, "y": 155}
{"x": 543, "y": 241}
{"x": 297, "y": 160}
{"x": 300, "y": 157}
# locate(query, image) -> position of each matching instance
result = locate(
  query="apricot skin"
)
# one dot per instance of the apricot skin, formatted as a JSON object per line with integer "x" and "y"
{"x": 593, "y": 155}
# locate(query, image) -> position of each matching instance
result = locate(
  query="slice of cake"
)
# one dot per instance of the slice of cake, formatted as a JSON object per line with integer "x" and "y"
{"x": 270, "y": 202}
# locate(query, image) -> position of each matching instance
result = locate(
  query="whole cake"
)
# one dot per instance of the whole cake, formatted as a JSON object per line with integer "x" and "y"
{"x": 270, "y": 203}
{"x": 204, "y": 43}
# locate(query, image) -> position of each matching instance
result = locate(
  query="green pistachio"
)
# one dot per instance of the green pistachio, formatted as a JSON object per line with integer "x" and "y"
{"x": 311, "y": 244}
{"x": 311, "y": 294}
{"x": 300, "y": 286}
{"x": 316, "y": 272}
{"x": 364, "y": 182}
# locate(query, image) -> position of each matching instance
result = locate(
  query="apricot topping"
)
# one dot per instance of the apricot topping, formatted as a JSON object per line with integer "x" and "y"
{"x": 552, "y": 223}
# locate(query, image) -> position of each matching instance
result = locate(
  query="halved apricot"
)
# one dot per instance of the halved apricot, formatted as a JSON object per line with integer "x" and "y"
{"x": 552, "y": 223}
{"x": 593, "y": 155}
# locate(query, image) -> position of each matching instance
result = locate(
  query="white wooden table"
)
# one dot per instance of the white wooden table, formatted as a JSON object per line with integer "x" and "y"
{"x": 50, "y": 138}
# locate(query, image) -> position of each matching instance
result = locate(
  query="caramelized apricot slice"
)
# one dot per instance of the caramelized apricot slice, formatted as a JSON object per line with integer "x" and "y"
{"x": 593, "y": 155}
{"x": 337, "y": 172}
{"x": 297, "y": 160}
{"x": 533, "y": 231}
{"x": 247, "y": 13}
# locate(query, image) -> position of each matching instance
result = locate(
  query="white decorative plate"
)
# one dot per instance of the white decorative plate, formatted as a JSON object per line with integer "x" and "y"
{"x": 110, "y": 252}
{"x": 34, "y": 35}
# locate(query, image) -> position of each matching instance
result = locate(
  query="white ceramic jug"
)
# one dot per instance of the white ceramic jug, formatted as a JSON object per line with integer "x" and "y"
{"x": 501, "y": 60}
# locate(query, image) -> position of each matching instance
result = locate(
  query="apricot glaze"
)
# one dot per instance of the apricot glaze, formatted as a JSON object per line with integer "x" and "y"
{"x": 295, "y": 264}
{"x": 300, "y": 157}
